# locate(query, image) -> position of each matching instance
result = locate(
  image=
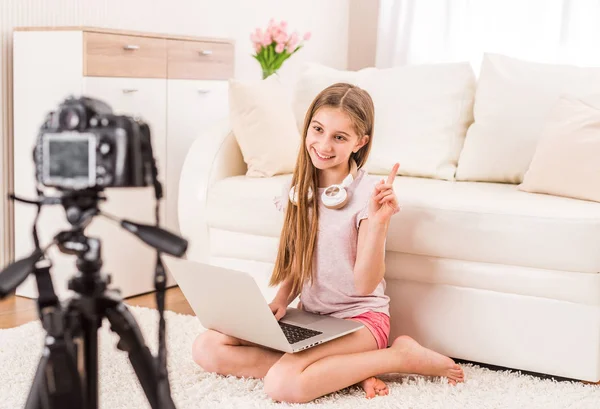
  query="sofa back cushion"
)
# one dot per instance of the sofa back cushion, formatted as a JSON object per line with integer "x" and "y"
{"x": 422, "y": 113}
{"x": 512, "y": 102}
{"x": 264, "y": 126}
{"x": 566, "y": 161}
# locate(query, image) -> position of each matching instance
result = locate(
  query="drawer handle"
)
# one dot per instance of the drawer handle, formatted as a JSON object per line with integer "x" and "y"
{"x": 131, "y": 47}
{"x": 205, "y": 52}
{"x": 203, "y": 91}
{"x": 129, "y": 90}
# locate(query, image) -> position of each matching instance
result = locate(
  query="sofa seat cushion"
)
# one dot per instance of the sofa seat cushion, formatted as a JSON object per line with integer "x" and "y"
{"x": 471, "y": 221}
{"x": 576, "y": 287}
{"x": 569, "y": 286}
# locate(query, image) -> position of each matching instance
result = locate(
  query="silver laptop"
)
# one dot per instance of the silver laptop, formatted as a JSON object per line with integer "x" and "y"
{"x": 230, "y": 302}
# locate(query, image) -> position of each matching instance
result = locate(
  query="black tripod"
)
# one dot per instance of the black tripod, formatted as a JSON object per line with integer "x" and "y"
{"x": 66, "y": 376}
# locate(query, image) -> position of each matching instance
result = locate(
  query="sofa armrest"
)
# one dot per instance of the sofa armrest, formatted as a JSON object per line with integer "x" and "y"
{"x": 213, "y": 156}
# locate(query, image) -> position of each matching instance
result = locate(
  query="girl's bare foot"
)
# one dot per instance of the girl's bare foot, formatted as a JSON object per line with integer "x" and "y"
{"x": 416, "y": 359}
{"x": 374, "y": 387}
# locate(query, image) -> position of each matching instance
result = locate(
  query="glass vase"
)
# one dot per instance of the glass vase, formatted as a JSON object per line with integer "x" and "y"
{"x": 267, "y": 72}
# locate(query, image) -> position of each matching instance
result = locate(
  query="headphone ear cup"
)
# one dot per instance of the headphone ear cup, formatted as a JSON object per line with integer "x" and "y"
{"x": 335, "y": 197}
{"x": 294, "y": 196}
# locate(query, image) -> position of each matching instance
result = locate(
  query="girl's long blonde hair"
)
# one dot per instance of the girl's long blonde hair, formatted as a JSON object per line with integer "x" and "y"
{"x": 299, "y": 233}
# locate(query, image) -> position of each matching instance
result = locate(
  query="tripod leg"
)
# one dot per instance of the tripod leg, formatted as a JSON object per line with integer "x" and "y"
{"x": 56, "y": 382}
{"x": 89, "y": 332}
{"x": 143, "y": 362}
{"x": 37, "y": 398}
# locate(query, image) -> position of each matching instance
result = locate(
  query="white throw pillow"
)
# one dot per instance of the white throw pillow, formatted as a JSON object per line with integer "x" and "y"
{"x": 512, "y": 101}
{"x": 566, "y": 161}
{"x": 264, "y": 125}
{"x": 313, "y": 79}
{"x": 422, "y": 113}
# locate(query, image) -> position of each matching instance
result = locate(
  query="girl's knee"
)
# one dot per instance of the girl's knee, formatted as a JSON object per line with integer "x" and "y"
{"x": 284, "y": 385}
{"x": 205, "y": 350}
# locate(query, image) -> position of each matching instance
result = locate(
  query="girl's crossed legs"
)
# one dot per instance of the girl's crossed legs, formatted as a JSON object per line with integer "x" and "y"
{"x": 326, "y": 368}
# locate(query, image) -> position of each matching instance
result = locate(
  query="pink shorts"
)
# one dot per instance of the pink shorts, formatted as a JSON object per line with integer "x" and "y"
{"x": 379, "y": 325}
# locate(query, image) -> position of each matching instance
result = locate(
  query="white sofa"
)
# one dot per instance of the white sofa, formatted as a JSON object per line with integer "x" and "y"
{"x": 475, "y": 270}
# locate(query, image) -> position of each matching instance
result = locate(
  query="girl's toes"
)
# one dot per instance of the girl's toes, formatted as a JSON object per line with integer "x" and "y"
{"x": 383, "y": 392}
{"x": 368, "y": 386}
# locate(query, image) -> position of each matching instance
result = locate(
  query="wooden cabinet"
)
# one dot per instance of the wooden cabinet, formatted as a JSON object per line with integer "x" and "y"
{"x": 191, "y": 106}
{"x": 175, "y": 84}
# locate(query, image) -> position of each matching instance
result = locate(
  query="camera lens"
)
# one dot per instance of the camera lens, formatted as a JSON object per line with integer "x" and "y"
{"x": 69, "y": 118}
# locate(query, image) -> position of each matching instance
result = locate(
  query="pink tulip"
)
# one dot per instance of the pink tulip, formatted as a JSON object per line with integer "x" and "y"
{"x": 266, "y": 40}
{"x": 281, "y": 38}
{"x": 279, "y": 48}
{"x": 307, "y": 36}
{"x": 257, "y": 36}
{"x": 273, "y": 28}
{"x": 283, "y": 24}
{"x": 257, "y": 47}
{"x": 291, "y": 47}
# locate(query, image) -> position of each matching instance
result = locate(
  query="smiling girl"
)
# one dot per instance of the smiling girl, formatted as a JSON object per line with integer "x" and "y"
{"x": 331, "y": 253}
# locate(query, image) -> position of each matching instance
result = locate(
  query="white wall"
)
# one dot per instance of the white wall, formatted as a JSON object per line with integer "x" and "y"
{"x": 363, "y": 17}
{"x": 234, "y": 19}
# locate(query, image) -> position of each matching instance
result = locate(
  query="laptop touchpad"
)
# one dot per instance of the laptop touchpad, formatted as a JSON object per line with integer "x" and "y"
{"x": 301, "y": 317}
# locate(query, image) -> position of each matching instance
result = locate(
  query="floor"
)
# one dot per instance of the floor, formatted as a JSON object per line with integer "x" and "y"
{"x": 15, "y": 310}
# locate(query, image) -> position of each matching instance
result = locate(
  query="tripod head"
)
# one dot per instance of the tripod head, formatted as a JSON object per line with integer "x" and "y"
{"x": 80, "y": 208}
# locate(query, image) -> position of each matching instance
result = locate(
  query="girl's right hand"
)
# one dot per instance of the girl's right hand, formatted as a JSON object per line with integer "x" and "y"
{"x": 278, "y": 309}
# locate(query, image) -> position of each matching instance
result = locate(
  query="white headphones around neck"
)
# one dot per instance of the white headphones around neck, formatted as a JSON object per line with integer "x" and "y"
{"x": 335, "y": 196}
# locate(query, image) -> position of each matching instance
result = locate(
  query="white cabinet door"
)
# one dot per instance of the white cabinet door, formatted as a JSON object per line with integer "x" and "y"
{"x": 192, "y": 106}
{"x": 47, "y": 69}
{"x": 141, "y": 97}
{"x": 130, "y": 261}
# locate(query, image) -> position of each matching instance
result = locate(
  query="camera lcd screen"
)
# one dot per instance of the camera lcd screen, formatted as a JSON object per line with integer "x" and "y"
{"x": 69, "y": 159}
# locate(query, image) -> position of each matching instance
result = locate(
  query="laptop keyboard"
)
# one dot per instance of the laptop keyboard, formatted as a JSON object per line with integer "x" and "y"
{"x": 296, "y": 334}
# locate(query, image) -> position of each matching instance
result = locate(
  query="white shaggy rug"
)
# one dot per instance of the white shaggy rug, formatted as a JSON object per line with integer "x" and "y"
{"x": 20, "y": 349}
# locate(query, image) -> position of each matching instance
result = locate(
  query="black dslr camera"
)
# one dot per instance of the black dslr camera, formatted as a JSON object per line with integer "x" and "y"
{"x": 83, "y": 145}
{"x": 82, "y": 148}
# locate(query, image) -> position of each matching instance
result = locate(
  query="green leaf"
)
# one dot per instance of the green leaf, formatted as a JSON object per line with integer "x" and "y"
{"x": 270, "y": 60}
{"x": 281, "y": 58}
{"x": 258, "y": 58}
{"x": 272, "y": 54}
{"x": 266, "y": 56}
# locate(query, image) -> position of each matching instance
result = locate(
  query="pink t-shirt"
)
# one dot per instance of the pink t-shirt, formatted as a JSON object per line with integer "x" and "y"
{"x": 332, "y": 291}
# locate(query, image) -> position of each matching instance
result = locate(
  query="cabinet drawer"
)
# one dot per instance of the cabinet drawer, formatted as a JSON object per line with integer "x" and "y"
{"x": 115, "y": 55}
{"x": 199, "y": 60}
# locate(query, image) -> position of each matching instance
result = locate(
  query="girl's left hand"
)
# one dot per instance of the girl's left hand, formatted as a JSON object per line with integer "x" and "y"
{"x": 384, "y": 203}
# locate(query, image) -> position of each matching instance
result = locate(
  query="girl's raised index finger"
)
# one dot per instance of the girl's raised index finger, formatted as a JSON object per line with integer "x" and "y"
{"x": 392, "y": 174}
